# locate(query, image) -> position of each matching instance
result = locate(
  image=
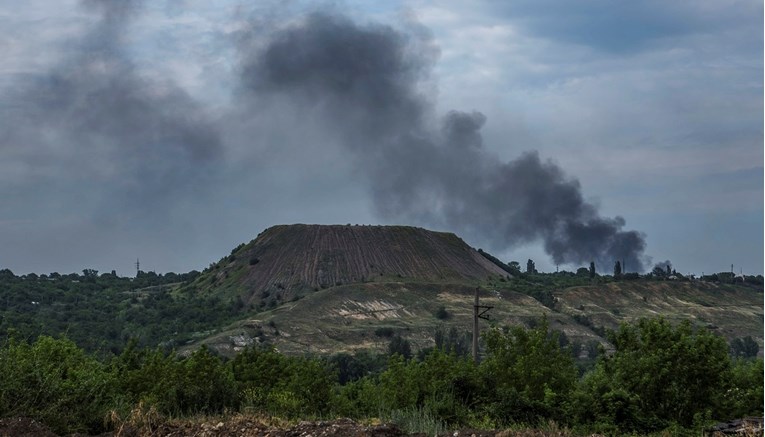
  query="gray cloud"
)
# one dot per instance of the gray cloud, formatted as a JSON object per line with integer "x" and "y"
{"x": 364, "y": 83}
{"x": 131, "y": 147}
{"x": 628, "y": 27}
{"x": 139, "y": 141}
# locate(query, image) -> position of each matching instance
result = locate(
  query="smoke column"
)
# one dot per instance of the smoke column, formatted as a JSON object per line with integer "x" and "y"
{"x": 101, "y": 150}
{"x": 366, "y": 83}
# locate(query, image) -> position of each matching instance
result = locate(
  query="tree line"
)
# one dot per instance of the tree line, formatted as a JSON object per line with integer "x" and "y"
{"x": 659, "y": 376}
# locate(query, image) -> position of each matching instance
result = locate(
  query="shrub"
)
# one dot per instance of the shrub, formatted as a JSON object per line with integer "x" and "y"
{"x": 280, "y": 385}
{"x": 384, "y": 331}
{"x": 399, "y": 345}
{"x": 55, "y": 382}
{"x": 744, "y": 396}
{"x": 528, "y": 376}
{"x": 744, "y": 347}
{"x": 657, "y": 376}
{"x": 441, "y": 313}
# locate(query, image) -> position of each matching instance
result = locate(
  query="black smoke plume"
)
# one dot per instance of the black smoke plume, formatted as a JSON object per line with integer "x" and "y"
{"x": 368, "y": 84}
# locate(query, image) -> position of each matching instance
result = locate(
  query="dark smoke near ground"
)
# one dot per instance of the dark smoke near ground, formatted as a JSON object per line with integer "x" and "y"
{"x": 366, "y": 83}
{"x": 663, "y": 266}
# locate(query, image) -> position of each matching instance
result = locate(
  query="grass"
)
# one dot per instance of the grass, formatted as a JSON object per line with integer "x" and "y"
{"x": 313, "y": 324}
{"x": 415, "y": 420}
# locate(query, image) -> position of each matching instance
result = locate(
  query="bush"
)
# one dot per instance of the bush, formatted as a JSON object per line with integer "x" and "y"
{"x": 744, "y": 347}
{"x": 55, "y": 382}
{"x": 744, "y": 396}
{"x": 442, "y": 387}
{"x": 657, "y": 376}
{"x": 441, "y": 313}
{"x": 399, "y": 345}
{"x": 528, "y": 376}
{"x": 384, "y": 331}
{"x": 289, "y": 386}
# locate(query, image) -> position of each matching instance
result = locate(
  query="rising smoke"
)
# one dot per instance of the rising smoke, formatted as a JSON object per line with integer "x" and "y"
{"x": 365, "y": 83}
{"x": 137, "y": 147}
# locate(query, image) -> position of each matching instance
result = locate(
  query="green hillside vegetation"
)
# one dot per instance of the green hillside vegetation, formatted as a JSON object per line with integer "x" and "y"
{"x": 102, "y": 312}
{"x": 369, "y": 321}
{"x": 326, "y": 289}
{"x": 348, "y": 317}
{"x": 659, "y": 377}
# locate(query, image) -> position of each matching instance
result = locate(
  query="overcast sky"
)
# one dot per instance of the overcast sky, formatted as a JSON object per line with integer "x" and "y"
{"x": 560, "y": 130}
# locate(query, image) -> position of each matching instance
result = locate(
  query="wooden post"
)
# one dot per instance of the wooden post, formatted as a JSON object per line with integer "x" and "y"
{"x": 475, "y": 327}
{"x": 478, "y": 315}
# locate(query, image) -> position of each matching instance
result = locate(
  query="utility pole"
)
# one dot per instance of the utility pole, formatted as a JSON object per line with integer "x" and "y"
{"x": 478, "y": 315}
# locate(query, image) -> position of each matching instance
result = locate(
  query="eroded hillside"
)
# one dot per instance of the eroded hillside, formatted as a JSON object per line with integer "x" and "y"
{"x": 352, "y": 317}
{"x": 292, "y": 260}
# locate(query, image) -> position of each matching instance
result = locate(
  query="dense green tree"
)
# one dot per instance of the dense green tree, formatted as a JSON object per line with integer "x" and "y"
{"x": 618, "y": 270}
{"x": 290, "y": 386}
{"x": 658, "y": 375}
{"x": 55, "y": 382}
{"x": 744, "y": 347}
{"x": 349, "y": 367}
{"x": 399, "y": 345}
{"x": 453, "y": 341}
{"x": 442, "y": 313}
{"x": 744, "y": 396}
{"x": 530, "y": 267}
{"x": 592, "y": 269}
{"x": 528, "y": 376}
{"x": 206, "y": 384}
{"x": 442, "y": 384}
{"x": 515, "y": 267}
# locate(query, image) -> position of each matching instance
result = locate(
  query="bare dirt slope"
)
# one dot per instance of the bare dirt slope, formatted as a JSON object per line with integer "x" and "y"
{"x": 289, "y": 260}
{"x": 730, "y": 311}
{"x": 349, "y": 317}
{"x": 326, "y": 289}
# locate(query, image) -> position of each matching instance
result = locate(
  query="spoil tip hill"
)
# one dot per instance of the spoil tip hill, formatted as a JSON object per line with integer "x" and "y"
{"x": 289, "y": 261}
{"x": 325, "y": 289}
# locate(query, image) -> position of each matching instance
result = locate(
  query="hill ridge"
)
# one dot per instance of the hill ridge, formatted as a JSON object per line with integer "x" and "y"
{"x": 285, "y": 261}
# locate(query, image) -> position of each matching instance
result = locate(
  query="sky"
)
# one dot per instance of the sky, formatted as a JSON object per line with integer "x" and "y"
{"x": 563, "y": 131}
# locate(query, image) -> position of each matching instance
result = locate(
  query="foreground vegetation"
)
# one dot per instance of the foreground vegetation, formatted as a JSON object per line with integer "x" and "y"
{"x": 659, "y": 376}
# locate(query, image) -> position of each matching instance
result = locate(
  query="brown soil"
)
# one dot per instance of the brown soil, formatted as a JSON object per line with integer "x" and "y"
{"x": 290, "y": 259}
{"x": 236, "y": 426}
{"x": 23, "y": 427}
{"x": 243, "y": 426}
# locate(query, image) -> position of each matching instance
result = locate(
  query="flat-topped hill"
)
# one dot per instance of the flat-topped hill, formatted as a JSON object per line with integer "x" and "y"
{"x": 289, "y": 260}
{"x": 331, "y": 288}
